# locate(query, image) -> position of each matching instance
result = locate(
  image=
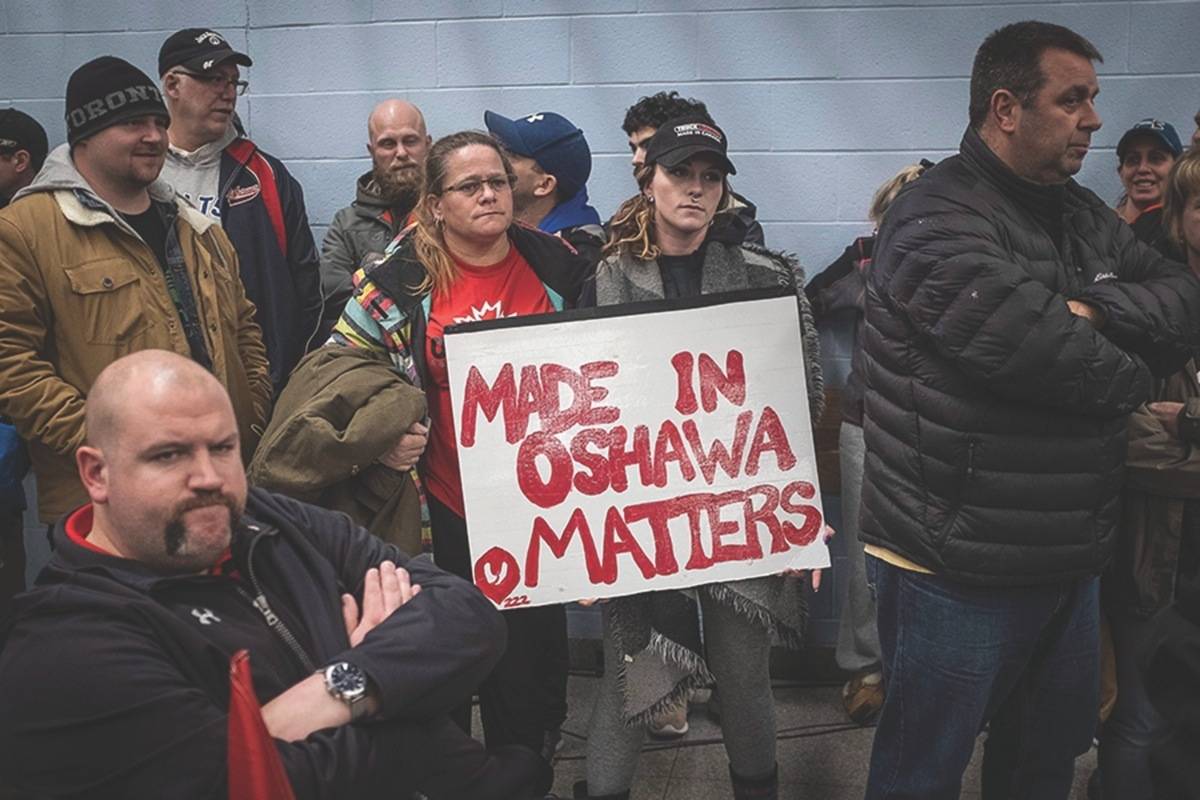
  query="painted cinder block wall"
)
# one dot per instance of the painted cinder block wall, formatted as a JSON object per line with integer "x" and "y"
{"x": 821, "y": 99}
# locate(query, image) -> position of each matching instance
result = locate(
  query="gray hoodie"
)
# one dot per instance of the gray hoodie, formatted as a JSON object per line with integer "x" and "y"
{"x": 197, "y": 174}
{"x": 59, "y": 173}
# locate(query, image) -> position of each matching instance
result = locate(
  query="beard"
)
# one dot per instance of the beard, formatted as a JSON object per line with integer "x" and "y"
{"x": 399, "y": 188}
{"x": 175, "y": 532}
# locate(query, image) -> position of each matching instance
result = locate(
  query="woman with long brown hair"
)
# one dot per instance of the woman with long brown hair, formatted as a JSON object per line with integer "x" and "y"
{"x": 669, "y": 242}
{"x": 464, "y": 259}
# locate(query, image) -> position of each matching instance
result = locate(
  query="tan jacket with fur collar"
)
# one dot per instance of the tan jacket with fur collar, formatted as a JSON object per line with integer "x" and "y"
{"x": 79, "y": 289}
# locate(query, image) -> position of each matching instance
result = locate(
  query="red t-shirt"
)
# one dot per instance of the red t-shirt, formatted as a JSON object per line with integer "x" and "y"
{"x": 509, "y": 288}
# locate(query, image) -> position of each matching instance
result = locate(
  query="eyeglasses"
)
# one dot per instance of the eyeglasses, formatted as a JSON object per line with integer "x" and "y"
{"x": 217, "y": 82}
{"x": 473, "y": 186}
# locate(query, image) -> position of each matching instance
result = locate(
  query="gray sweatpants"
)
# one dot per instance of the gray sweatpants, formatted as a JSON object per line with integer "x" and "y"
{"x": 739, "y": 658}
{"x": 858, "y": 638}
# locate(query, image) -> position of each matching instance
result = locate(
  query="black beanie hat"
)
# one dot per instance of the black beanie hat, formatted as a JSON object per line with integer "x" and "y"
{"x": 108, "y": 90}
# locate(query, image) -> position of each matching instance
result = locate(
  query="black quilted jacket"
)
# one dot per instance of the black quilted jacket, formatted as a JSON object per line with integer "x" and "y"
{"x": 995, "y": 419}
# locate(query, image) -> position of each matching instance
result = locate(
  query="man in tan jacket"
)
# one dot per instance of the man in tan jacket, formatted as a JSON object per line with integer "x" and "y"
{"x": 99, "y": 259}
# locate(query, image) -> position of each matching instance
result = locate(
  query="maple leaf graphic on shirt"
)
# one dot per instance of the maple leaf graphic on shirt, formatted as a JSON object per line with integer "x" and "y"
{"x": 487, "y": 311}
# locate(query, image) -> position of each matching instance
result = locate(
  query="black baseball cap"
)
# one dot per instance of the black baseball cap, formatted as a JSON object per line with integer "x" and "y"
{"x": 1163, "y": 132}
{"x": 197, "y": 50}
{"x": 680, "y": 138}
{"x": 19, "y": 131}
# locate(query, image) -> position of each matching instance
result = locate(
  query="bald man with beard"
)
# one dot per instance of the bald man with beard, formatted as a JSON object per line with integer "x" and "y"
{"x": 397, "y": 141}
{"x": 114, "y": 675}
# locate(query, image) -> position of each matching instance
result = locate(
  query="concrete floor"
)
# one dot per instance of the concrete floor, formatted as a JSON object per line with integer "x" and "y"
{"x": 821, "y": 754}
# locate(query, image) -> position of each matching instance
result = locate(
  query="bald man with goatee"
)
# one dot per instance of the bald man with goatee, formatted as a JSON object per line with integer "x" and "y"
{"x": 397, "y": 141}
{"x": 114, "y": 675}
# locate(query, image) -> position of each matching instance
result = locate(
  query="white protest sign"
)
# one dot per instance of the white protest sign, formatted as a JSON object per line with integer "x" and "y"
{"x": 630, "y": 452}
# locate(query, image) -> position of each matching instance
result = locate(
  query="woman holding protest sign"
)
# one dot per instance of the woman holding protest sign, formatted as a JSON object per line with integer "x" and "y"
{"x": 664, "y": 244}
{"x": 463, "y": 260}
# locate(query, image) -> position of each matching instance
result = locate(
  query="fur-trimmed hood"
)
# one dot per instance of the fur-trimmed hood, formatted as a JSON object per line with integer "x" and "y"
{"x": 82, "y": 206}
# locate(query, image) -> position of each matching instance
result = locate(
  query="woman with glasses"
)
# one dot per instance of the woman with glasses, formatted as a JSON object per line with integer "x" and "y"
{"x": 463, "y": 260}
{"x": 664, "y": 244}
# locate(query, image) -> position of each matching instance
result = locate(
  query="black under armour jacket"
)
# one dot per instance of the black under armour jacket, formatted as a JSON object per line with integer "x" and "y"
{"x": 995, "y": 418}
{"x": 114, "y": 680}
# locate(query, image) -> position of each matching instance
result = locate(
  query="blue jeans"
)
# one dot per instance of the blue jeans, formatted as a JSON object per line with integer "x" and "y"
{"x": 958, "y": 657}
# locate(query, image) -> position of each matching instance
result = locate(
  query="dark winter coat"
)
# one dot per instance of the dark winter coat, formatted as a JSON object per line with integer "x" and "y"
{"x": 841, "y": 290}
{"x": 262, "y": 212}
{"x": 114, "y": 681}
{"x": 365, "y": 226}
{"x": 995, "y": 418}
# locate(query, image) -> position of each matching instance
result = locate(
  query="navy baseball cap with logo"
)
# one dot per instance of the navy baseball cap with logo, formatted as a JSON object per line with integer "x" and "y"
{"x": 679, "y": 139}
{"x": 198, "y": 50}
{"x": 1164, "y": 132}
{"x": 551, "y": 140}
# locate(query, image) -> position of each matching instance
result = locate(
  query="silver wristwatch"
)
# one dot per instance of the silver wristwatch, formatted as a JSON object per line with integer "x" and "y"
{"x": 348, "y": 683}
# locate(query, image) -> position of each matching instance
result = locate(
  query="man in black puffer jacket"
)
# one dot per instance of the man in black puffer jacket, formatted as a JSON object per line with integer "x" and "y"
{"x": 1013, "y": 323}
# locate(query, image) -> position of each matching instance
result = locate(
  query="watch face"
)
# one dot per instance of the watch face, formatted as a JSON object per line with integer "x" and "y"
{"x": 346, "y": 679}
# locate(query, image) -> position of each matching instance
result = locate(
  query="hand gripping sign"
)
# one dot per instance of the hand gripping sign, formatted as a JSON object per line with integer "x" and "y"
{"x": 658, "y": 446}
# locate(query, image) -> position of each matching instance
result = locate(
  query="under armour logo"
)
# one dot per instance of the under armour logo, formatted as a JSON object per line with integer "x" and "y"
{"x": 207, "y": 65}
{"x": 205, "y": 616}
{"x": 535, "y": 118}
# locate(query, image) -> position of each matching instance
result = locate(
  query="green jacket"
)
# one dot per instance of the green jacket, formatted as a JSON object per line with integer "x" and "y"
{"x": 341, "y": 410}
{"x": 1160, "y": 508}
{"x": 79, "y": 288}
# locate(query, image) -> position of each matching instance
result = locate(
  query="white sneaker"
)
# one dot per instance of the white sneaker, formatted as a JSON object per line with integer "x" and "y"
{"x": 671, "y": 723}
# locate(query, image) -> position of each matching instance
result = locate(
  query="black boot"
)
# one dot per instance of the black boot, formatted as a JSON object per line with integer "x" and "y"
{"x": 580, "y": 792}
{"x": 765, "y": 787}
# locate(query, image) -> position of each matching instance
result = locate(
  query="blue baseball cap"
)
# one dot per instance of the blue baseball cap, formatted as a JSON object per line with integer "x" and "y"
{"x": 1155, "y": 128}
{"x": 551, "y": 140}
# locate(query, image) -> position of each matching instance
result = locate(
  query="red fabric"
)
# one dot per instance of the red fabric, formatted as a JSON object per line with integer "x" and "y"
{"x": 255, "y": 770}
{"x": 79, "y": 525}
{"x": 1146, "y": 210}
{"x": 509, "y": 288}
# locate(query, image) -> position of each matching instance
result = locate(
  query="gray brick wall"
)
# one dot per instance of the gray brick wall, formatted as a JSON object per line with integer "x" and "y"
{"x": 822, "y": 99}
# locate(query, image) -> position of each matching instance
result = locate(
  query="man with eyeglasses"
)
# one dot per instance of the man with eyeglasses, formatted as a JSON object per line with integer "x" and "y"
{"x": 228, "y": 178}
{"x": 99, "y": 259}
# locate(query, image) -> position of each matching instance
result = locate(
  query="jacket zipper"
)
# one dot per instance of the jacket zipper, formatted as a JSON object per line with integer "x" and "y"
{"x": 259, "y": 601}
